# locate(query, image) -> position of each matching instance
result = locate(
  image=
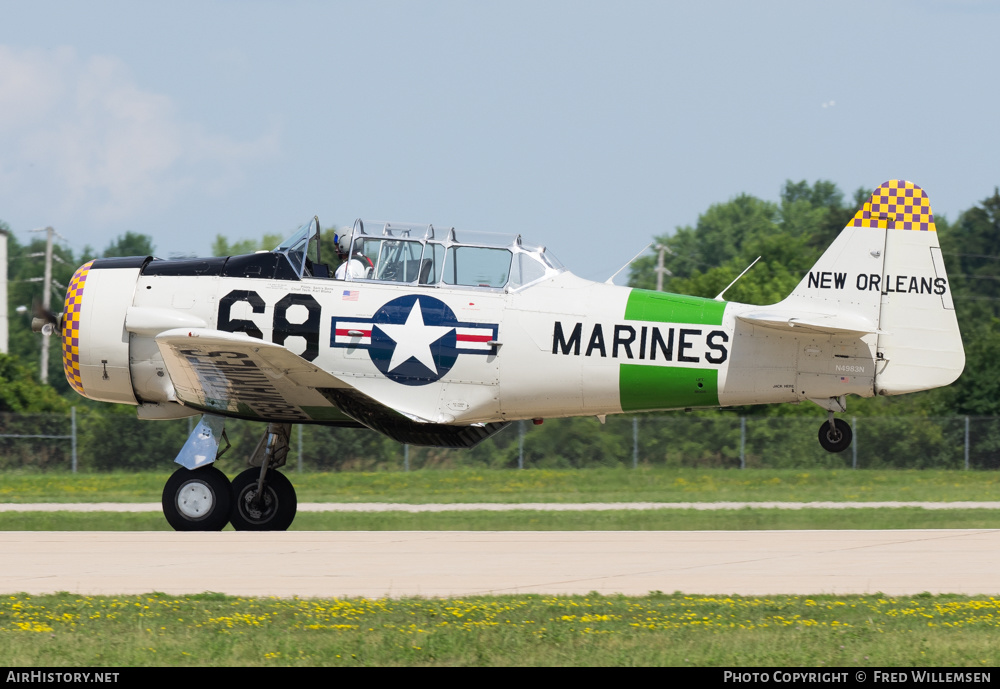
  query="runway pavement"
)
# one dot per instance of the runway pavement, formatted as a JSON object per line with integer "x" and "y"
{"x": 448, "y": 563}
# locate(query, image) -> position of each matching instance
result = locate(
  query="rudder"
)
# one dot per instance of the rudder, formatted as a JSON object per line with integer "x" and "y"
{"x": 919, "y": 342}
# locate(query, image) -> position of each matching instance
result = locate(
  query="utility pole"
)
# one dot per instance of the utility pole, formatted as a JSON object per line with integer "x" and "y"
{"x": 4, "y": 316}
{"x": 660, "y": 269}
{"x": 46, "y": 302}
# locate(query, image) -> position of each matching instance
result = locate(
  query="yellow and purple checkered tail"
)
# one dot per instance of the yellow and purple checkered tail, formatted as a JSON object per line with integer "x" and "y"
{"x": 897, "y": 205}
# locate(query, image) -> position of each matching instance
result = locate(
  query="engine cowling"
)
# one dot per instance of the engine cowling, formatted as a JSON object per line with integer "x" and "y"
{"x": 95, "y": 343}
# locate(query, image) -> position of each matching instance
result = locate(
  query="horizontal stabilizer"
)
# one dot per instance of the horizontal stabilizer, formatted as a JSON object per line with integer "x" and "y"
{"x": 830, "y": 324}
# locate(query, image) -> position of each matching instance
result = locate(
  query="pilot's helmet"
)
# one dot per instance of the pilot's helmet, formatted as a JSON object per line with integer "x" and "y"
{"x": 344, "y": 243}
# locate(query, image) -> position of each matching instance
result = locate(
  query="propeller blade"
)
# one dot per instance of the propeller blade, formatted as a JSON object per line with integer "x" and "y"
{"x": 43, "y": 317}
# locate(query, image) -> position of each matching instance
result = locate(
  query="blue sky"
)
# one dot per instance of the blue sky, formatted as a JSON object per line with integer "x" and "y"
{"x": 585, "y": 126}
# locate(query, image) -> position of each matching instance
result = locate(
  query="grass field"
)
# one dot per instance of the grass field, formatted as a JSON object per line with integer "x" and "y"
{"x": 548, "y": 486}
{"x": 543, "y": 485}
{"x": 523, "y": 520}
{"x": 658, "y": 629}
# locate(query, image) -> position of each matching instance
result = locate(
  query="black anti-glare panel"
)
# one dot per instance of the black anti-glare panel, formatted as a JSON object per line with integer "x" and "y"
{"x": 122, "y": 262}
{"x": 186, "y": 266}
{"x": 252, "y": 266}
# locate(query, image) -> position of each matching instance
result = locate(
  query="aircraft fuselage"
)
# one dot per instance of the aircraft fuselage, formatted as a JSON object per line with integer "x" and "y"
{"x": 560, "y": 347}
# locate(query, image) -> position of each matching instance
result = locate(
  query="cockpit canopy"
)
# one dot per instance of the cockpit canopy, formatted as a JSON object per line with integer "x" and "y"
{"x": 425, "y": 255}
{"x": 298, "y": 247}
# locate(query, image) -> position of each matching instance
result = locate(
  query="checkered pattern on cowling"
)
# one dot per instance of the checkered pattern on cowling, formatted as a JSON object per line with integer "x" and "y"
{"x": 71, "y": 327}
{"x": 897, "y": 205}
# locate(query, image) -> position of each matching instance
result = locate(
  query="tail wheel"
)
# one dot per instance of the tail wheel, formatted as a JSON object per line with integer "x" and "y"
{"x": 198, "y": 500}
{"x": 835, "y": 438}
{"x": 274, "y": 511}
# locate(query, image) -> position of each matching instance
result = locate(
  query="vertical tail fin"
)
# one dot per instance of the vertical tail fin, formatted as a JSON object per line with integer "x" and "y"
{"x": 885, "y": 270}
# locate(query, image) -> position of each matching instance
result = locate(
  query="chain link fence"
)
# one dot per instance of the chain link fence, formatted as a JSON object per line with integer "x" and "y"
{"x": 109, "y": 442}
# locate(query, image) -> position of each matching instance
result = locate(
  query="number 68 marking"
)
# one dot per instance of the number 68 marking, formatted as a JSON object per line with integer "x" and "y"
{"x": 281, "y": 327}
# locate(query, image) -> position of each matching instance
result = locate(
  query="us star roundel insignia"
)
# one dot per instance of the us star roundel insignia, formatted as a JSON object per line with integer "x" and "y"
{"x": 414, "y": 340}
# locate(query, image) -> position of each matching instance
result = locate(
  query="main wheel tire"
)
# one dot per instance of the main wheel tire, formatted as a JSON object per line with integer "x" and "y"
{"x": 198, "y": 500}
{"x": 277, "y": 509}
{"x": 835, "y": 439}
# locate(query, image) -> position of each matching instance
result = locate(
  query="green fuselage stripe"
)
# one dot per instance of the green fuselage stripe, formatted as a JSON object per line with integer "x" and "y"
{"x": 647, "y": 388}
{"x": 645, "y": 305}
{"x": 668, "y": 386}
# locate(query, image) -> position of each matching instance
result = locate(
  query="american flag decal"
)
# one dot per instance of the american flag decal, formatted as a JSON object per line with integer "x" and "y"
{"x": 350, "y": 295}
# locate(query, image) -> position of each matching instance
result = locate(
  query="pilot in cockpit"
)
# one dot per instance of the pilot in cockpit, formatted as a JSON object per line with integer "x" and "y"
{"x": 359, "y": 265}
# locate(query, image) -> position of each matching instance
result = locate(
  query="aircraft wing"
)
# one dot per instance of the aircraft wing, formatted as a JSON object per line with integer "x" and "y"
{"x": 238, "y": 375}
{"x": 243, "y": 376}
{"x": 806, "y": 322}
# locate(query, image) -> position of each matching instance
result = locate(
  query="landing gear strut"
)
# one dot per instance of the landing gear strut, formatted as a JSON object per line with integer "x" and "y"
{"x": 263, "y": 499}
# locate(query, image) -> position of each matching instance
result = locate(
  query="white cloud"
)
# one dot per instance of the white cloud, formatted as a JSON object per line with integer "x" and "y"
{"x": 29, "y": 85}
{"x": 78, "y": 136}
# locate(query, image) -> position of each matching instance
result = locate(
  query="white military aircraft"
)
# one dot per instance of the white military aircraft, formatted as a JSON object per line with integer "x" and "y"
{"x": 436, "y": 336}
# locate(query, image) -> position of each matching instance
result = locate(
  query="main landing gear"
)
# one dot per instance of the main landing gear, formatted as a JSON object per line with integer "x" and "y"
{"x": 263, "y": 499}
{"x": 199, "y": 497}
